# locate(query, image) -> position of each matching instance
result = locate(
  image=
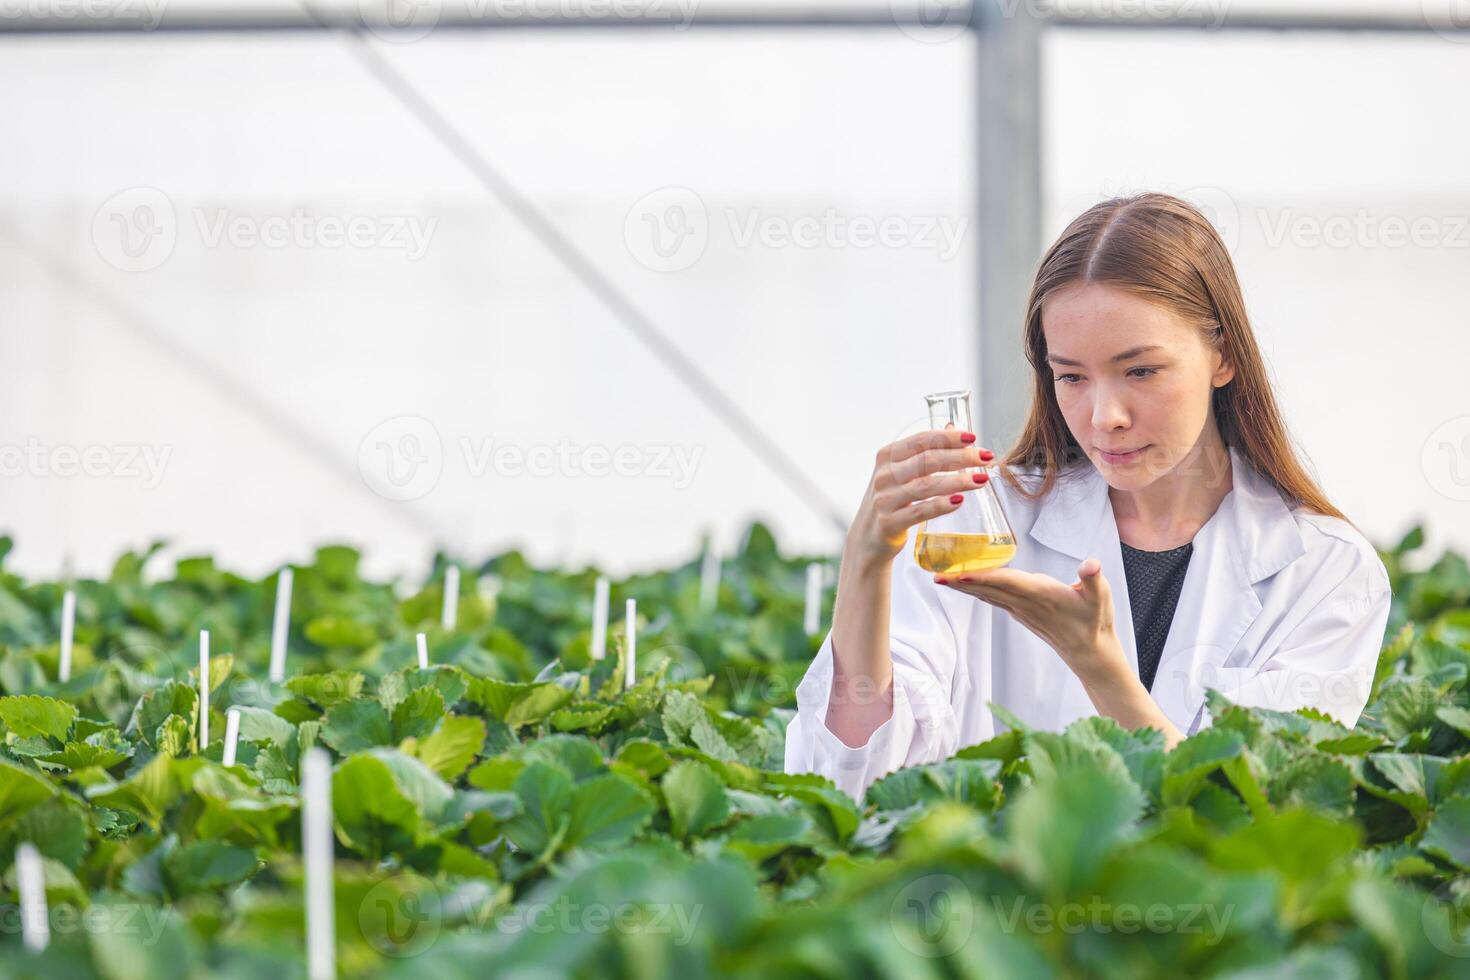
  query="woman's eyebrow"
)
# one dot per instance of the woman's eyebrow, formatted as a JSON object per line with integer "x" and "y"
{"x": 1130, "y": 352}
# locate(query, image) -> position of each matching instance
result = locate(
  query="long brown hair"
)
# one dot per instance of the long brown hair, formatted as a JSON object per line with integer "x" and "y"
{"x": 1163, "y": 250}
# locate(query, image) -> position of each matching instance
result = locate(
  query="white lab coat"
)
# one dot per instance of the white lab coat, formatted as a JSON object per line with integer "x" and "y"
{"x": 1280, "y": 609}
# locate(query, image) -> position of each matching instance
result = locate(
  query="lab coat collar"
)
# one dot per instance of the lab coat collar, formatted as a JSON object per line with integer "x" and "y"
{"x": 1252, "y": 517}
{"x": 1251, "y": 536}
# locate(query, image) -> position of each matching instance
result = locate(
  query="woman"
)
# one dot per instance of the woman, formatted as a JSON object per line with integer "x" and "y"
{"x": 1154, "y": 455}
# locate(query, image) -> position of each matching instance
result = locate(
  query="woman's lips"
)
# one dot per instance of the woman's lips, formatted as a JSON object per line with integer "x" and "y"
{"x": 1127, "y": 457}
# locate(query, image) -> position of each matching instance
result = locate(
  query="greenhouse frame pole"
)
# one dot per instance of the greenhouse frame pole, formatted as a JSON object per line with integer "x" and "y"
{"x": 1008, "y": 171}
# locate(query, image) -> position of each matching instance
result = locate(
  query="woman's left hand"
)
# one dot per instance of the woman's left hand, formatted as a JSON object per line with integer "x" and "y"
{"x": 1074, "y": 620}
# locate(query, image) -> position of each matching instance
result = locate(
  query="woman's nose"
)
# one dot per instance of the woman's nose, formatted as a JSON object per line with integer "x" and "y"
{"x": 1108, "y": 411}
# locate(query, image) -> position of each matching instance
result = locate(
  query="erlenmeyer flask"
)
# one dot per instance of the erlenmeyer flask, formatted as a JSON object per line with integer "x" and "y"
{"x": 976, "y": 535}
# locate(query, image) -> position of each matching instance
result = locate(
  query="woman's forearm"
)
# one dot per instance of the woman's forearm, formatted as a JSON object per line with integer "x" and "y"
{"x": 1117, "y": 693}
{"x": 862, "y": 675}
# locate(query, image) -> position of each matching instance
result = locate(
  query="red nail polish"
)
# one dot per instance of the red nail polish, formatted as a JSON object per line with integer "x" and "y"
{"x": 987, "y": 455}
{"x": 967, "y": 437}
{"x": 957, "y": 499}
{"x": 980, "y": 477}
{"x": 941, "y": 580}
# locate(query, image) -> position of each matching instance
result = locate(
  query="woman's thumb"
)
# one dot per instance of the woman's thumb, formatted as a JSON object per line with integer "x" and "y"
{"x": 1089, "y": 577}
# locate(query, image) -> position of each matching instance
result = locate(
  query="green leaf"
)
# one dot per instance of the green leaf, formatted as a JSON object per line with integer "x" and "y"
{"x": 969, "y": 781}
{"x": 760, "y": 837}
{"x": 154, "y": 708}
{"x": 103, "y": 749}
{"x": 545, "y": 792}
{"x": 449, "y": 681}
{"x": 647, "y": 757}
{"x": 695, "y": 798}
{"x": 576, "y": 755}
{"x": 1189, "y": 765}
{"x": 150, "y": 791}
{"x": 496, "y": 775}
{"x": 688, "y": 722}
{"x": 29, "y": 715}
{"x": 373, "y": 815}
{"x": 1309, "y": 851}
{"x": 429, "y": 793}
{"x": 1448, "y": 833}
{"x": 451, "y": 748}
{"x": 234, "y": 809}
{"x": 260, "y": 725}
{"x": 587, "y": 717}
{"x": 157, "y": 952}
{"x": 417, "y": 714}
{"x": 838, "y": 810}
{"x": 1315, "y": 782}
{"x": 327, "y": 689}
{"x": 518, "y": 704}
{"x": 1416, "y": 778}
{"x": 1399, "y": 922}
{"x": 607, "y": 810}
{"x": 175, "y": 736}
{"x": 206, "y": 866}
{"x": 354, "y": 726}
{"x": 337, "y": 631}
{"x": 1061, "y": 830}
{"x": 58, "y": 829}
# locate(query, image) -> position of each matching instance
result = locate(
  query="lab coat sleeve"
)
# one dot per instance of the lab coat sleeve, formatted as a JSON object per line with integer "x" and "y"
{"x": 1327, "y": 661}
{"x": 923, "y": 726}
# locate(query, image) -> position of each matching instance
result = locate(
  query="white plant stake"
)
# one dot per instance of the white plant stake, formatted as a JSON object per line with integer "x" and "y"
{"x": 599, "y": 619}
{"x": 316, "y": 848}
{"x": 423, "y": 652}
{"x": 68, "y": 629}
{"x": 281, "y": 626}
{"x": 813, "y": 619}
{"x": 203, "y": 689}
{"x": 451, "y": 597}
{"x": 630, "y": 622}
{"x": 709, "y": 577}
{"x": 35, "y": 927}
{"x": 232, "y": 735}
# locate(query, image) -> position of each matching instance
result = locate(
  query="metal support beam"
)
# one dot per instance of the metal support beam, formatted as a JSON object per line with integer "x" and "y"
{"x": 427, "y": 18}
{"x": 1009, "y": 171}
{"x": 792, "y": 14}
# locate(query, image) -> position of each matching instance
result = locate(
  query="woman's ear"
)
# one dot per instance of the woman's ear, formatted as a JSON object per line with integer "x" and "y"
{"x": 1224, "y": 372}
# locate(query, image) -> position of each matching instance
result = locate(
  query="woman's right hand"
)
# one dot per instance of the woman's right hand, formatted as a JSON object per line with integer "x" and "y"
{"x": 914, "y": 479}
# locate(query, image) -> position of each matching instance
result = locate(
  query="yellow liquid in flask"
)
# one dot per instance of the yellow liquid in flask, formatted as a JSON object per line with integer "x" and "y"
{"x": 954, "y": 554}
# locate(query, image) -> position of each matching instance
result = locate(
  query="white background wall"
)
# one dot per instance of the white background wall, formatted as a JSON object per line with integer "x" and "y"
{"x": 262, "y": 372}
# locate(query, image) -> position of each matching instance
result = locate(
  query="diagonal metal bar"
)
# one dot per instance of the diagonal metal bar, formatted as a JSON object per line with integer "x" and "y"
{"x": 624, "y": 310}
{"x": 325, "y": 454}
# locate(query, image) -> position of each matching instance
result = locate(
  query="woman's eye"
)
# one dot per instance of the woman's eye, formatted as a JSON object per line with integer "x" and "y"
{"x": 1145, "y": 372}
{"x": 1065, "y": 378}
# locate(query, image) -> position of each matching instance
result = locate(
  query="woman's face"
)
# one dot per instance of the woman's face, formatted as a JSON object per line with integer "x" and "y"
{"x": 1131, "y": 379}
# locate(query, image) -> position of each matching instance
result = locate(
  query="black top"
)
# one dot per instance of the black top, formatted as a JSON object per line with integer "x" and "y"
{"x": 1154, "y": 580}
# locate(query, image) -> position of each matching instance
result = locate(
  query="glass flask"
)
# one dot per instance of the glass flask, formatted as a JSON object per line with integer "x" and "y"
{"x": 976, "y": 534}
